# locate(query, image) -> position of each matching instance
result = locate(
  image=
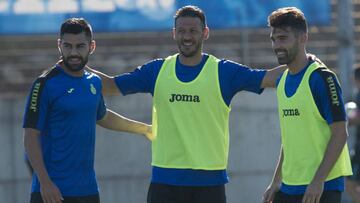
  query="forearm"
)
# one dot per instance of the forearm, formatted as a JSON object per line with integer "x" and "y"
{"x": 272, "y": 75}
{"x": 116, "y": 122}
{"x": 34, "y": 153}
{"x": 277, "y": 174}
{"x": 333, "y": 151}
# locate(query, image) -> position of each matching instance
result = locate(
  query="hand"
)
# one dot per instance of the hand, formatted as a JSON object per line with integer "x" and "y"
{"x": 148, "y": 134}
{"x": 313, "y": 192}
{"x": 50, "y": 193}
{"x": 270, "y": 192}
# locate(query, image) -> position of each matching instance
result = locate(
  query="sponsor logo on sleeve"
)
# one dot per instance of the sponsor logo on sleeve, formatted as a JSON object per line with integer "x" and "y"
{"x": 34, "y": 97}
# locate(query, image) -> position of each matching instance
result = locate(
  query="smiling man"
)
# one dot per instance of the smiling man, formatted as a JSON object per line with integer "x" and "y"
{"x": 63, "y": 108}
{"x": 314, "y": 157}
{"x": 192, "y": 92}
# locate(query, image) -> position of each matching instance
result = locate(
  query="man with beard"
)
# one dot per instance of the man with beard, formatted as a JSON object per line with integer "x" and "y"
{"x": 314, "y": 156}
{"x": 63, "y": 107}
{"x": 191, "y": 93}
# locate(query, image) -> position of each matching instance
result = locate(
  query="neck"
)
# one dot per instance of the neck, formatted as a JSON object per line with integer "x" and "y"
{"x": 190, "y": 61}
{"x": 298, "y": 64}
{"x": 79, "y": 73}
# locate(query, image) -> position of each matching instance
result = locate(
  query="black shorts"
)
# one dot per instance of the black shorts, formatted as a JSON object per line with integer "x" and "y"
{"x": 326, "y": 197}
{"x": 36, "y": 198}
{"x": 162, "y": 193}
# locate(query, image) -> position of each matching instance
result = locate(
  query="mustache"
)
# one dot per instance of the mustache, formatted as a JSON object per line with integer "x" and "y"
{"x": 74, "y": 57}
{"x": 280, "y": 50}
{"x": 186, "y": 41}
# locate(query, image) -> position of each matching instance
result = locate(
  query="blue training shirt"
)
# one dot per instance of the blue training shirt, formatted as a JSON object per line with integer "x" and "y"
{"x": 233, "y": 77}
{"x": 65, "y": 110}
{"x": 331, "y": 113}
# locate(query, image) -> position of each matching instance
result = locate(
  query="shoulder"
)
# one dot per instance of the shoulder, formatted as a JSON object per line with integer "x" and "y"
{"x": 50, "y": 73}
{"x": 152, "y": 66}
{"x": 93, "y": 79}
{"x": 231, "y": 68}
{"x": 229, "y": 64}
{"x": 92, "y": 76}
{"x": 324, "y": 82}
{"x": 323, "y": 75}
{"x": 154, "y": 63}
{"x": 41, "y": 85}
{"x": 46, "y": 76}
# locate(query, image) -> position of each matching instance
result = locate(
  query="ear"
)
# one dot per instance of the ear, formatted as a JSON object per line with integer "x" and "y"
{"x": 59, "y": 44}
{"x": 206, "y": 33}
{"x": 92, "y": 46}
{"x": 174, "y": 33}
{"x": 304, "y": 38}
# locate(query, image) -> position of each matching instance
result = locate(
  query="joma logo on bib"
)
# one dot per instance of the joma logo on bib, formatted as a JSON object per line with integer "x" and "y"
{"x": 291, "y": 112}
{"x": 184, "y": 98}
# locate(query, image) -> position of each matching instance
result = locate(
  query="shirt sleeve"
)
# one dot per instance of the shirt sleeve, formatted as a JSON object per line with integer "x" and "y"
{"x": 327, "y": 95}
{"x": 235, "y": 77}
{"x": 101, "y": 110}
{"x": 141, "y": 80}
{"x": 37, "y": 106}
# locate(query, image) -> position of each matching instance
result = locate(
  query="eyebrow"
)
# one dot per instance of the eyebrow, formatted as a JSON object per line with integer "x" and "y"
{"x": 81, "y": 43}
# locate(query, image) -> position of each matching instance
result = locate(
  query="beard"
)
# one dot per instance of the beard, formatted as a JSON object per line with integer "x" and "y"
{"x": 194, "y": 49}
{"x": 75, "y": 67}
{"x": 289, "y": 55}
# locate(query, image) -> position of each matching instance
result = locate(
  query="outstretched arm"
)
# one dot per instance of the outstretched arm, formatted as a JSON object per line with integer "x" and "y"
{"x": 272, "y": 75}
{"x": 109, "y": 87}
{"x": 114, "y": 121}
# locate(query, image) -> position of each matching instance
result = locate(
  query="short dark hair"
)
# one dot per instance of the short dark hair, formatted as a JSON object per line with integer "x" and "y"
{"x": 76, "y": 26}
{"x": 357, "y": 72}
{"x": 190, "y": 11}
{"x": 288, "y": 17}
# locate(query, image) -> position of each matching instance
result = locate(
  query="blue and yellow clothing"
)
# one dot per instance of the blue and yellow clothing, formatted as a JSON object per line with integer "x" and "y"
{"x": 319, "y": 87}
{"x": 188, "y": 134}
{"x": 232, "y": 78}
{"x": 65, "y": 110}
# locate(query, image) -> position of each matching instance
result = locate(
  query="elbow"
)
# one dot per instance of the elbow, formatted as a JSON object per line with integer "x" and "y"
{"x": 27, "y": 139}
{"x": 31, "y": 137}
{"x": 341, "y": 137}
{"x": 27, "y": 142}
{"x": 339, "y": 130}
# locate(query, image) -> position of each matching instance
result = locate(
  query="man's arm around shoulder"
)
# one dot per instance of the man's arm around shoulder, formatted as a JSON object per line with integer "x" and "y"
{"x": 109, "y": 87}
{"x": 272, "y": 75}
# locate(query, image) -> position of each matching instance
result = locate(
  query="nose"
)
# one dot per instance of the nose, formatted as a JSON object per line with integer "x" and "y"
{"x": 276, "y": 44}
{"x": 74, "y": 52}
{"x": 187, "y": 35}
